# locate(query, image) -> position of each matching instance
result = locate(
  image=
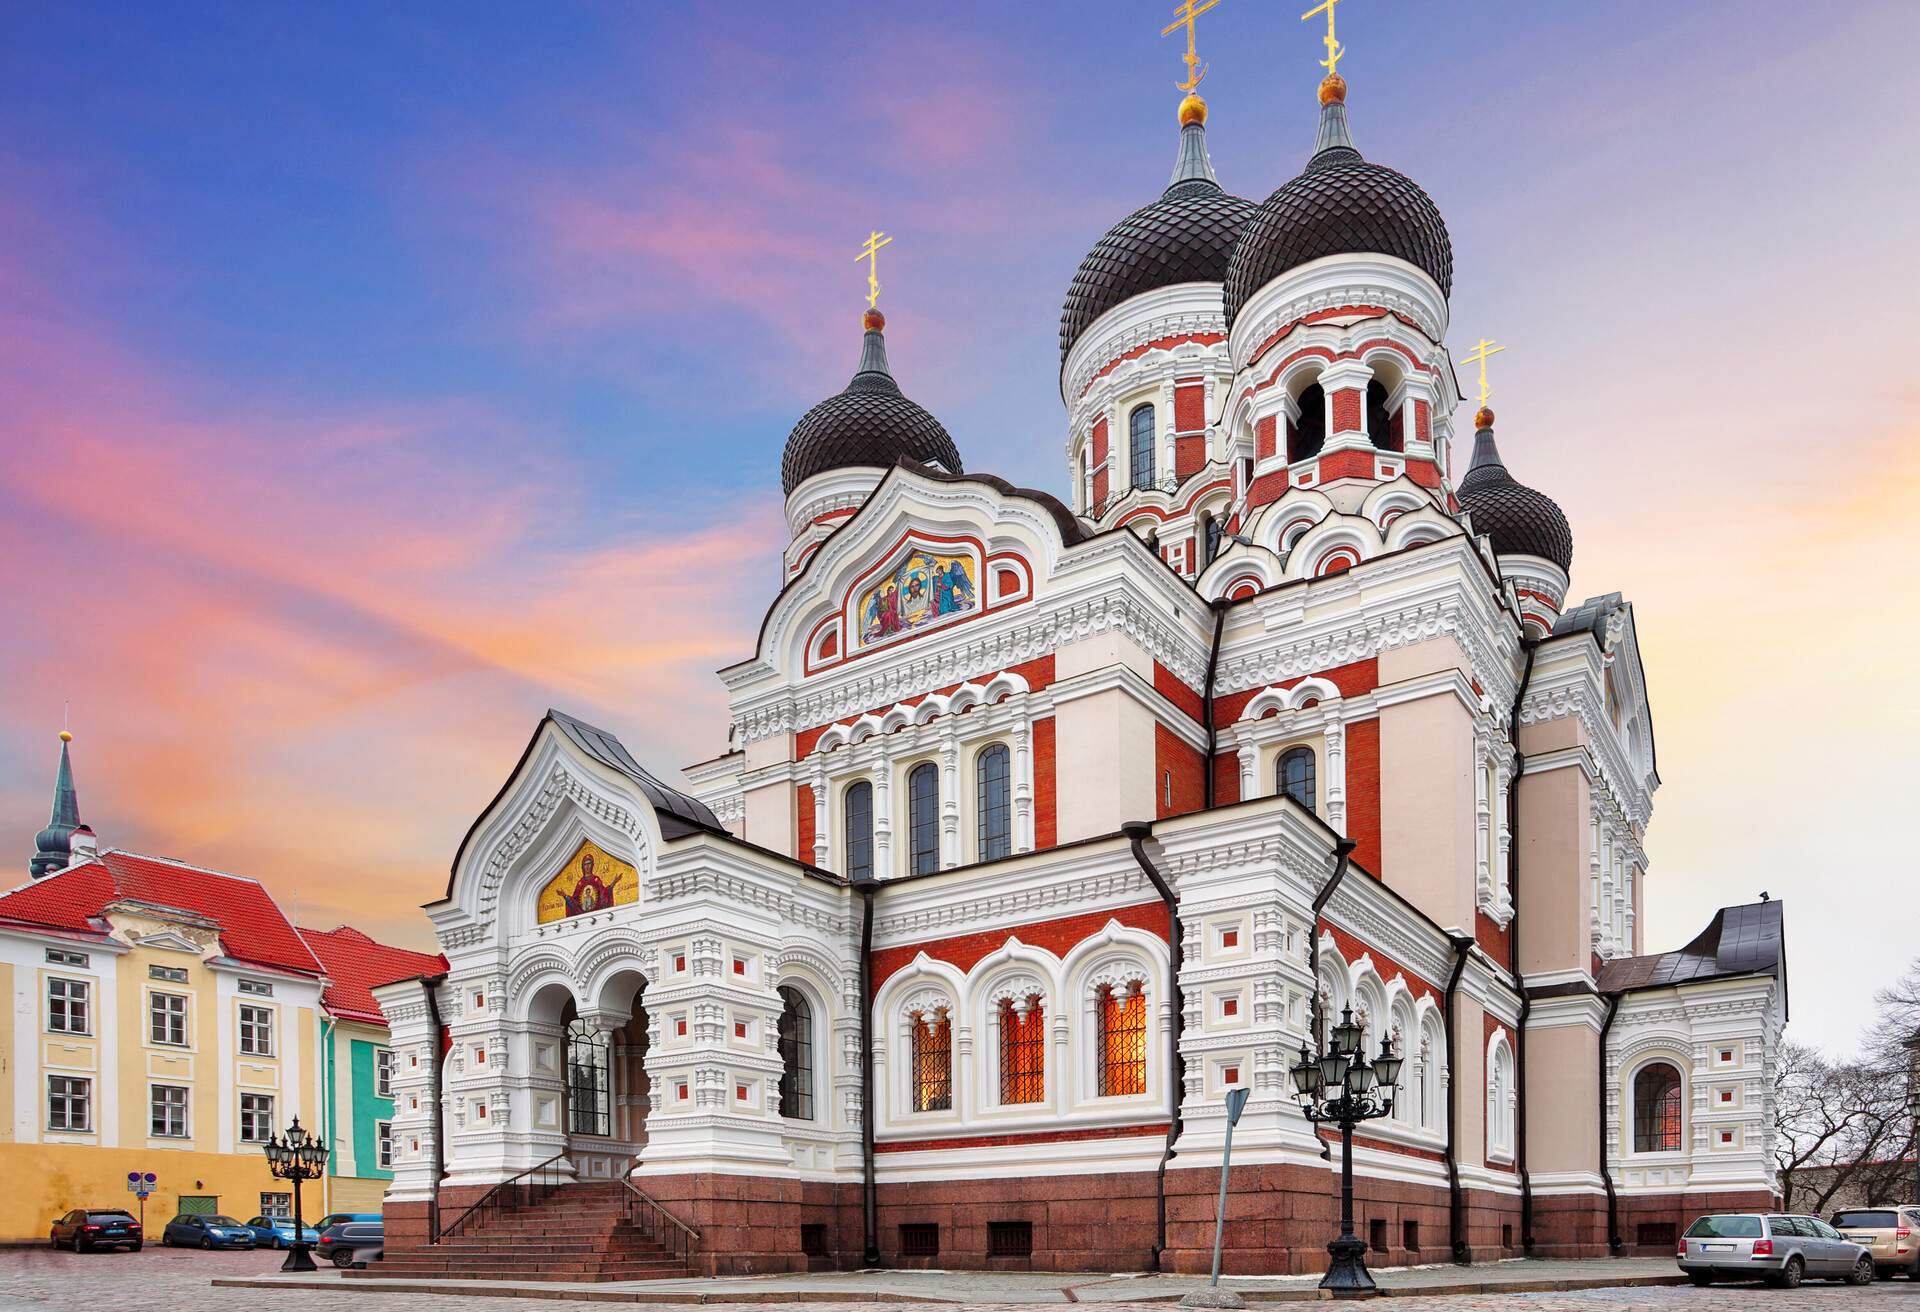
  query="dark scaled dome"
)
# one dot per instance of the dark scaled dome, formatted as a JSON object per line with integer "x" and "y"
{"x": 1187, "y": 235}
{"x": 870, "y": 423}
{"x": 1339, "y": 205}
{"x": 1521, "y": 521}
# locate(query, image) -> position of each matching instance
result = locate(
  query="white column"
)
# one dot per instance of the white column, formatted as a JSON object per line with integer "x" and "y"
{"x": 1249, "y": 771}
{"x": 1165, "y": 435}
{"x": 1503, "y": 834}
{"x": 1336, "y": 772}
{"x": 1023, "y": 785}
{"x": 883, "y": 811}
{"x": 819, "y": 854}
{"x": 950, "y": 797}
{"x": 1482, "y": 824}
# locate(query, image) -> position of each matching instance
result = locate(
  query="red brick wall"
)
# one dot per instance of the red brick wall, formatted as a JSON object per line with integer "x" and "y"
{"x": 1046, "y": 812}
{"x": 1189, "y": 405}
{"x": 1100, "y": 469}
{"x": 1494, "y": 941}
{"x": 1266, "y": 437}
{"x": 1363, "y": 792}
{"x": 803, "y": 821}
{"x": 1226, "y": 778}
{"x": 1423, "y": 472}
{"x": 1187, "y": 765}
{"x": 1169, "y": 685}
{"x": 1346, "y": 410}
{"x": 1351, "y": 679}
{"x": 1189, "y": 456}
{"x": 1056, "y": 936}
{"x": 1346, "y": 464}
{"x": 1268, "y": 487}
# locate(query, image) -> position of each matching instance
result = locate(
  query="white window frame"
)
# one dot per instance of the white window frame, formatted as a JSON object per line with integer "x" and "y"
{"x": 383, "y": 1144}
{"x": 78, "y": 1089}
{"x": 68, "y": 1001}
{"x": 156, "y": 1107}
{"x": 276, "y": 1207}
{"x": 383, "y": 1072}
{"x": 261, "y": 1114}
{"x": 256, "y": 1033}
{"x": 160, "y": 1009}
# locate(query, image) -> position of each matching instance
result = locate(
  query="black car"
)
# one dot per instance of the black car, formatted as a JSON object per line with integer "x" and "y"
{"x": 85, "y": 1229}
{"x": 352, "y": 1243}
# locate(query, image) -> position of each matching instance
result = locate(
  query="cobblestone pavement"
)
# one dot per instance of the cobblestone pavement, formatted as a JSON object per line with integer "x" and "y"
{"x": 166, "y": 1280}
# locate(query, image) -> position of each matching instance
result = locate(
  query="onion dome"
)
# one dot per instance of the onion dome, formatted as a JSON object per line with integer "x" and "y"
{"x": 1339, "y": 205}
{"x": 870, "y": 423}
{"x": 1185, "y": 236}
{"x": 1521, "y": 521}
{"x": 53, "y": 846}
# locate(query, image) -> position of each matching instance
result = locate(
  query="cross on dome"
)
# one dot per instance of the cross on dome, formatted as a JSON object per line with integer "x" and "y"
{"x": 871, "y": 254}
{"x": 1196, "y": 71}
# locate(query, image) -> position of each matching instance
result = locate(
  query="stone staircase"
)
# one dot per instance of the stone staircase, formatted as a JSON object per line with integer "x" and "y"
{"x": 577, "y": 1232}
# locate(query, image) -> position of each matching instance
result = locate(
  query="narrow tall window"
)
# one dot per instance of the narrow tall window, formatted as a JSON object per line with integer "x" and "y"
{"x": 923, "y": 818}
{"x": 256, "y": 1031}
{"x": 932, "y": 1070}
{"x": 1307, "y": 434}
{"x": 383, "y": 1144}
{"x": 1381, "y": 428}
{"x": 67, "y": 1006}
{"x": 1023, "y": 1053}
{"x": 167, "y": 1019}
{"x": 1656, "y": 1109}
{"x": 1211, "y": 531}
{"x": 859, "y": 814}
{"x": 383, "y": 1072}
{"x": 589, "y": 1079}
{"x": 1293, "y": 775}
{"x": 796, "y": 1054}
{"x": 1121, "y": 1021}
{"x": 993, "y": 776}
{"x": 256, "y": 1117}
{"x": 1140, "y": 445}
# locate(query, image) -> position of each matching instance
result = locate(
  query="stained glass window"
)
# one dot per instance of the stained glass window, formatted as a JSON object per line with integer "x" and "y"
{"x": 1023, "y": 1053}
{"x": 859, "y": 809}
{"x": 994, "y": 779}
{"x": 932, "y": 1070}
{"x": 796, "y": 1054}
{"x": 923, "y": 818}
{"x": 1294, "y": 775}
{"x": 1121, "y": 1018}
{"x": 1656, "y": 1109}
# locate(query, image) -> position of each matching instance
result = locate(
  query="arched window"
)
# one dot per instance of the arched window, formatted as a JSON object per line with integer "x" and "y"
{"x": 923, "y": 818}
{"x": 1023, "y": 1052}
{"x": 932, "y": 1070}
{"x": 796, "y": 1054}
{"x": 1307, "y": 434}
{"x": 1381, "y": 427}
{"x": 589, "y": 1079}
{"x": 1121, "y": 1042}
{"x": 1294, "y": 775}
{"x": 1500, "y": 1102}
{"x": 1656, "y": 1109}
{"x": 993, "y": 776}
{"x": 1211, "y": 531}
{"x": 1140, "y": 445}
{"x": 859, "y": 814}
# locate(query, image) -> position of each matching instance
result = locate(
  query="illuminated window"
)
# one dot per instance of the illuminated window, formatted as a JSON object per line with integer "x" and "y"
{"x": 923, "y": 818}
{"x": 859, "y": 815}
{"x": 932, "y": 1069}
{"x": 993, "y": 777}
{"x": 1023, "y": 1053}
{"x": 796, "y": 1054}
{"x": 1121, "y": 1019}
{"x": 1293, "y": 775}
{"x": 1656, "y": 1109}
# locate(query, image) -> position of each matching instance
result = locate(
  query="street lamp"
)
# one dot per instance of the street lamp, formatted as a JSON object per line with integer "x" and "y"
{"x": 300, "y": 1156}
{"x": 1340, "y": 1085}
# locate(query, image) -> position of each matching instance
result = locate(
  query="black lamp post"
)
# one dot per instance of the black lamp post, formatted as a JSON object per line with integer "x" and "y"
{"x": 1339, "y": 1085}
{"x": 300, "y": 1156}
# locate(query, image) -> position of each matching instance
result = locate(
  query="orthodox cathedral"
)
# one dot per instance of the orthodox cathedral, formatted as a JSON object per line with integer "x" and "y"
{"x": 1049, "y": 822}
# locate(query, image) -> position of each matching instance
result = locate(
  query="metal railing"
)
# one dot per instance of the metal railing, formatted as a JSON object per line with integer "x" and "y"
{"x": 523, "y": 1190}
{"x": 657, "y": 1223}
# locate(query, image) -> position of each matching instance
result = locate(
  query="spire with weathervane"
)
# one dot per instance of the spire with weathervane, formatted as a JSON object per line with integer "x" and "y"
{"x": 53, "y": 846}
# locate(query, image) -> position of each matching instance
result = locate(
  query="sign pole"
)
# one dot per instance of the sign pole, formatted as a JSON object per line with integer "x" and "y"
{"x": 1213, "y": 1295}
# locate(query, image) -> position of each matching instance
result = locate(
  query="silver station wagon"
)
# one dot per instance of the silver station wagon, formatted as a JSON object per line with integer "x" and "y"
{"x": 1778, "y": 1249}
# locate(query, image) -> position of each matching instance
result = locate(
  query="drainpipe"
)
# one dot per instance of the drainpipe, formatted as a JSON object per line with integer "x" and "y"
{"x": 1456, "y": 1201}
{"x": 429, "y": 983}
{"x": 1342, "y": 853}
{"x": 870, "y": 1253}
{"x": 1219, "y": 605}
{"x": 1137, "y": 832}
{"x": 1513, "y": 956}
{"x": 328, "y": 1090}
{"x": 1614, "y": 1243}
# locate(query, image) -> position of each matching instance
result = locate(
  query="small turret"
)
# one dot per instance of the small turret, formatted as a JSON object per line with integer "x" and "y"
{"x": 53, "y": 846}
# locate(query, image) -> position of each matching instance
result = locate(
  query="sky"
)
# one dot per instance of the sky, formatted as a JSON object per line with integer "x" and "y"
{"x": 374, "y": 377}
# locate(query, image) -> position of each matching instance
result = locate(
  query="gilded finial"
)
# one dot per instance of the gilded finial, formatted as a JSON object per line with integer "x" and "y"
{"x": 1478, "y": 355}
{"x": 65, "y": 736}
{"x": 1483, "y": 418}
{"x": 66, "y": 709}
{"x": 873, "y": 321}
{"x": 1196, "y": 71}
{"x": 1333, "y": 87}
{"x": 1193, "y": 110}
{"x": 871, "y": 254}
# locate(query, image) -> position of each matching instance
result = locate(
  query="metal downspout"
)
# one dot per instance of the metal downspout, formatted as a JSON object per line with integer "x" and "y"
{"x": 870, "y": 1216}
{"x": 1210, "y": 789}
{"x": 428, "y": 983}
{"x": 1137, "y": 832}
{"x": 1513, "y": 956}
{"x": 328, "y": 1086}
{"x": 1614, "y": 1242}
{"x": 1456, "y": 1201}
{"x": 1343, "y": 853}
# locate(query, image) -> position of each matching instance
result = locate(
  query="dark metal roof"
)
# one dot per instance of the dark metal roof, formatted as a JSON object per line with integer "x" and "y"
{"x": 678, "y": 813}
{"x": 53, "y": 846}
{"x": 869, "y": 423}
{"x": 1742, "y": 940}
{"x": 1185, "y": 236}
{"x": 1340, "y": 204}
{"x": 1520, "y": 520}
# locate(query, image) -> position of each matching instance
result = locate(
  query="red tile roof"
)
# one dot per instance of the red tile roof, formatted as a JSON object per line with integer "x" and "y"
{"x": 252, "y": 927}
{"x": 356, "y": 965}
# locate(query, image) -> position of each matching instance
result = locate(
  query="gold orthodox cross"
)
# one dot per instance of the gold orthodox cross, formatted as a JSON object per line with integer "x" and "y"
{"x": 1187, "y": 12}
{"x": 871, "y": 254}
{"x": 1334, "y": 49}
{"x": 1478, "y": 355}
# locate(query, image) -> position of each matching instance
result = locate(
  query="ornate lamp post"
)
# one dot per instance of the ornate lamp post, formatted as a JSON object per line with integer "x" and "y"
{"x": 1339, "y": 1085}
{"x": 300, "y": 1156}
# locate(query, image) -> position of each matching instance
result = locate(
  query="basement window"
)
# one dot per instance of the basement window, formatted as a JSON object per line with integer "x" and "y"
{"x": 1410, "y": 1236}
{"x": 1009, "y": 1239}
{"x": 813, "y": 1241}
{"x": 921, "y": 1239}
{"x": 1377, "y": 1234}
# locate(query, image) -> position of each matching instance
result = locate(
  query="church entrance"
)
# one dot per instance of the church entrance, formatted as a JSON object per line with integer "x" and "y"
{"x": 606, "y": 1083}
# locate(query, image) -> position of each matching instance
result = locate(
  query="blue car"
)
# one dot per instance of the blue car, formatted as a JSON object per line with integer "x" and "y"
{"x": 277, "y": 1232}
{"x": 197, "y": 1231}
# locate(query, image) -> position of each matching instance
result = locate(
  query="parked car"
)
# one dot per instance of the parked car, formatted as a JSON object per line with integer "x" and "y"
{"x": 1778, "y": 1249}
{"x": 85, "y": 1229}
{"x": 352, "y": 1243}
{"x": 277, "y": 1232}
{"x": 193, "y": 1230}
{"x": 332, "y": 1219}
{"x": 1888, "y": 1233}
